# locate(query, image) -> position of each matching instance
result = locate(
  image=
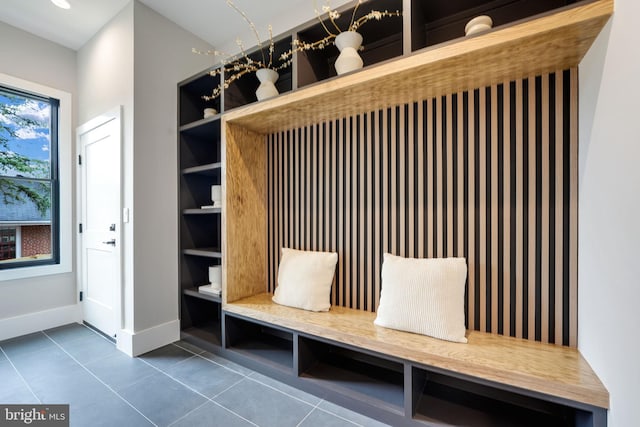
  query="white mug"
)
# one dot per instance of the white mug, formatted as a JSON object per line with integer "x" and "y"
{"x": 216, "y": 195}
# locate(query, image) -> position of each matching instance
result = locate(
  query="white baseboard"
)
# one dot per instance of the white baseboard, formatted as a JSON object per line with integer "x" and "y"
{"x": 140, "y": 342}
{"x": 33, "y": 322}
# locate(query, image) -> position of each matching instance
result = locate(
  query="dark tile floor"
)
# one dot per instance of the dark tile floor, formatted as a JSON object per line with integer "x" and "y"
{"x": 176, "y": 385}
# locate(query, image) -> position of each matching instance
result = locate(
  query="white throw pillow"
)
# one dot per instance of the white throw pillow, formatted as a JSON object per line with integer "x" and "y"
{"x": 305, "y": 278}
{"x": 424, "y": 296}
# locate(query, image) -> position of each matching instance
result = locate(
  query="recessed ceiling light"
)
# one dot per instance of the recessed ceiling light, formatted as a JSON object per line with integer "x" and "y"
{"x": 62, "y": 4}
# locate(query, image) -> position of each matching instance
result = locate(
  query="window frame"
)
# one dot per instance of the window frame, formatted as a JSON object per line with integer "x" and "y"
{"x": 62, "y": 199}
{"x": 52, "y": 180}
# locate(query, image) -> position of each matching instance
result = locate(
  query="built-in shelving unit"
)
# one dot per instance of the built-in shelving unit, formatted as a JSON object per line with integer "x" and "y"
{"x": 200, "y": 167}
{"x": 345, "y": 358}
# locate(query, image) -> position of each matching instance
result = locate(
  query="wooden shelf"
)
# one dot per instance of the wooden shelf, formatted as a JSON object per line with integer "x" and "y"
{"x": 553, "y": 42}
{"x": 193, "y": 292}
{"x": 196, "y": 211}
{"x": 203, "y": 252}
{"x": 210, "y": 169}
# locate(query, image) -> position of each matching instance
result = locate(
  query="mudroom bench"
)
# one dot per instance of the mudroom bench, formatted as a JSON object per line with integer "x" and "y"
{"x": 408, "y": 379}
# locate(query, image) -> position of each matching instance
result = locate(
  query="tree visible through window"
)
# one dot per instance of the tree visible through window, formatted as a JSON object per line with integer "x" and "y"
{"x": 28, "y": 179}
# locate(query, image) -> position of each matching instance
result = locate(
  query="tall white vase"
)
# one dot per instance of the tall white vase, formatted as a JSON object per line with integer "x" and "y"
{"x": 267, "y": 88}
{"x": 348, "y": 43}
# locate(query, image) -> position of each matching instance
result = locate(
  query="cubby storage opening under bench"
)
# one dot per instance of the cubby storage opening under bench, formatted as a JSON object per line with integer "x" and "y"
{"x": 406, "y": 379}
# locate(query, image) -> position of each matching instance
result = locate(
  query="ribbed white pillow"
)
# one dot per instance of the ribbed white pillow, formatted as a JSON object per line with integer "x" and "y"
{"x": 305, "y": 278}
{"x": 424, "y": 296}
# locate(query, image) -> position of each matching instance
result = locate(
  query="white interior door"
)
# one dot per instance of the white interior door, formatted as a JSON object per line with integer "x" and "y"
{"x": 99, "y": 145}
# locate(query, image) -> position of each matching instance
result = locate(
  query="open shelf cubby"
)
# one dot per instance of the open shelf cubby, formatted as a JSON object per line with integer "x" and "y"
{"x": 446, "y": 400}
{"x": 261, "y": 343}
{"x": 200, "y": 231}
{"x": 190, "y": 93}
{"x": 354, "y": 374}
{"x": 382, "y": 40}
{"x": 201, "y": 319}
{"x": 243, "y": 90}
{"x": 200, "y": 144}
{"x": 437, "y": 22}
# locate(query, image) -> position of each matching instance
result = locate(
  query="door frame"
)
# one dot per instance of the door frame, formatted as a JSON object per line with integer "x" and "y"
{"x": 112, "y": 114}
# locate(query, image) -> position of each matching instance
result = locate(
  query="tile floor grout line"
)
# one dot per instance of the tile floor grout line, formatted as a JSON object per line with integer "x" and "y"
{"x": 197, "y": 392}
{"x": 175, "y": 379}
{"x": 210, "y": 400}
{"x": 234, "y": 413}
{"x": 177, "y": 344}
{"x": 20, "y": 375}
{"x": 309, "y": 413}
{"x": 200, "y": 355}
{"x": 190, "y": 412}
{"x": 228, "y": 388}
{"x": 102, "y": 382}
{"x": 336, "y": 415}
{"x": 279, "y": 391}
{"x": 220, "y": 364}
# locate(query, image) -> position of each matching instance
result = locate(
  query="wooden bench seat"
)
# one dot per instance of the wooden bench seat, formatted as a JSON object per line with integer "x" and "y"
{"x": 561, "y": 373}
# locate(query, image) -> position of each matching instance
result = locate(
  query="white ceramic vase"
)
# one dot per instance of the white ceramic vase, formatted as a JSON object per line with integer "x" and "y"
{"x": 348, "y": 43}
{"x": 267, "y": 88}
{"x": 478, "y": 24}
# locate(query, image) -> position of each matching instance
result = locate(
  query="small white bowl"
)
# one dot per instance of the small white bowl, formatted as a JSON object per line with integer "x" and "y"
{"x": 210, "y": 112}
{"x": 478, "y": 24}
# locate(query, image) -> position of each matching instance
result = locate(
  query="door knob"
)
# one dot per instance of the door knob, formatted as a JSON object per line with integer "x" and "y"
{"x": 110, "y": 242}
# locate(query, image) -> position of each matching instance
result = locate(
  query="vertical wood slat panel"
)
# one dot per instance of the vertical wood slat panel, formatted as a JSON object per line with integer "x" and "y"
{"x": 573, "y": 214}
{"x": 482, "y": 206}
{"x": 531, "y": 225}
{"x": 559, "y": 210}
{"x": 519, "y": 242}
{"x": 480, "y": 174}
{"x": 493, "y": 265}
{"x": 507, "y": 311}
{"x": 471, "y": 207}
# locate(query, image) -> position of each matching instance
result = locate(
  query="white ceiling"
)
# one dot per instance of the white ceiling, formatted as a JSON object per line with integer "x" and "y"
{"x": 211, "y": 20}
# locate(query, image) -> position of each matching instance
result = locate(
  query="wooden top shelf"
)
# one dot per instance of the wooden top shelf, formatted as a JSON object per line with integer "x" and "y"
{"x": 556, "y": 41}
{"x": 545, "y": 368}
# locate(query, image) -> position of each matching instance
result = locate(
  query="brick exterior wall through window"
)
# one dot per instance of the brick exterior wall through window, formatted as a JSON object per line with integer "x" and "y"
{"x": 36, "y": 240}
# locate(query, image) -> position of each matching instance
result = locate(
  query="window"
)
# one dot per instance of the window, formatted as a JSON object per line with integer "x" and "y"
{"x": 29, "y": 188}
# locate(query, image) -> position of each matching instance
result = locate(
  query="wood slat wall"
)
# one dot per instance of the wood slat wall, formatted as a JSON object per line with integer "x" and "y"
{"x": 489, "y": 174}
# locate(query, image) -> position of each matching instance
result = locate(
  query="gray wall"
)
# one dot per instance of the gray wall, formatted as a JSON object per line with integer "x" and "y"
{"x": 135, "y": 61}
{"x": 31, "y": 58}
{"x": 163, "y": 57}
{"x": 609, "y": 233}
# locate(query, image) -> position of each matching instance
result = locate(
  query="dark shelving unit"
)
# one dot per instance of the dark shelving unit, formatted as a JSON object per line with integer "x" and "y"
{"x": 199, "y": 167}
